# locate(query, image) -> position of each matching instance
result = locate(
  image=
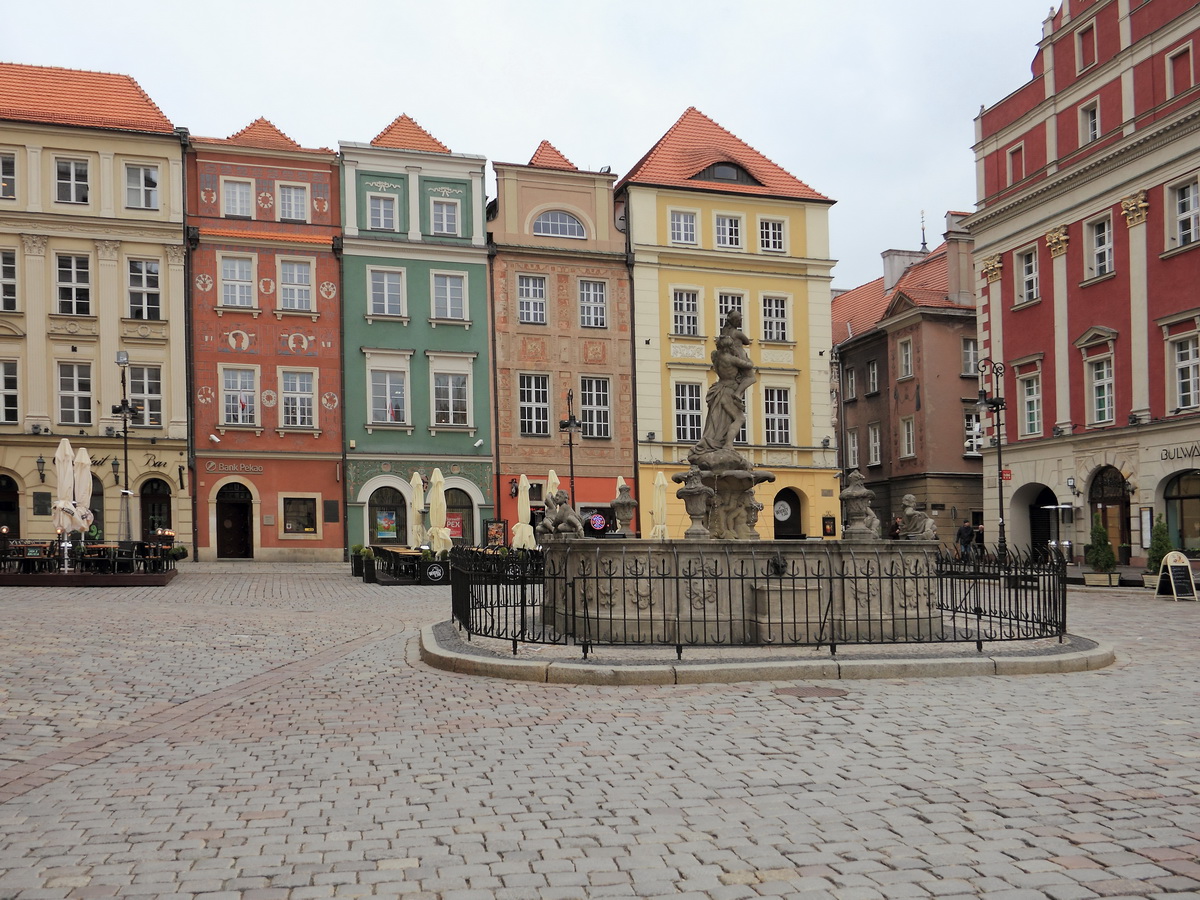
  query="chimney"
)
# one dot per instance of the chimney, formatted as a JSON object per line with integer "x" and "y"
{"x": 958, "y": 261}
{"x": 895, "y": 263}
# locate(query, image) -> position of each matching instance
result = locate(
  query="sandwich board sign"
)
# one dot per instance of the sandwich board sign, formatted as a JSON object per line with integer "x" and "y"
{"x": 1175, "y": 577}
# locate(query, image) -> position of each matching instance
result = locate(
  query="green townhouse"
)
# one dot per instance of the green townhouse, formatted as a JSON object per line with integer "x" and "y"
{"x": 417, "y": 364}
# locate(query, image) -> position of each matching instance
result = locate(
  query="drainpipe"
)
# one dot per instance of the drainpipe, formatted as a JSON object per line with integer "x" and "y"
{"x": 498, "y": 497}
{"x": 637, "y": 468}
{"x": 191, "y": 239}
{"x": 337, "y": 252}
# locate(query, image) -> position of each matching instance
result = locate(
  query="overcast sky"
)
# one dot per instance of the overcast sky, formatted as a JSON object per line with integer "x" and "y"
{"x": 870, "y": 102}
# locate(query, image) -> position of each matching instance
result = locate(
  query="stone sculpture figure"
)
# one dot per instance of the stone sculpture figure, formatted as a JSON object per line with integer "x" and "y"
{"x": 917, "y": 525}
{"x": 561, "y": 519}
{"x": 726, "y": 399}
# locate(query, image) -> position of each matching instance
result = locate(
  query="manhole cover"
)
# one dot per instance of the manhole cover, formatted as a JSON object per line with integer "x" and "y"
{"x": 812, "y": 692}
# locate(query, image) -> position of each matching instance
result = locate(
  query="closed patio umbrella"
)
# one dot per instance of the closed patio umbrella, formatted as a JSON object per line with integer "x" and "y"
{"x": 64, "y": 491}
{"x": 658, "y": 512}
{"x": 439, "y": 534}
{"x": 522, "y": 532}
{"x": 83, "y": 490}
{"x": 416, "y": 527}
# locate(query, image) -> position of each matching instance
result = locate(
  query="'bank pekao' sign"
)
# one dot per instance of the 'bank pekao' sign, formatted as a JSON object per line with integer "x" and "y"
{"x": 220, "y": 468}
{"x": 1190, "y": 452}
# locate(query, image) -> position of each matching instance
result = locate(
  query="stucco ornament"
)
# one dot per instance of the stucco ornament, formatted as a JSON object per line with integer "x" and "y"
{"x": 328, "y": 290}
{"x": 320, "y": 204}
{"x": 268, "y": 399}
{"x": 993, "y": 268}
{"x": 204, "y": 283}
{"x": 266, "y": 285}
{"x": 1056, "y": 240}
{"x": 329, "y": 400}
{"x": 205, "y": 395}
{"x": 1135, "y": 208}
{"x": 266, "y": 200}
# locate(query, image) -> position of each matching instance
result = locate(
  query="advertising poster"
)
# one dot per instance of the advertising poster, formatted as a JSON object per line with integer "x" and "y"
{"x": 385, "y": 523}
{"x": 454, "y": 522}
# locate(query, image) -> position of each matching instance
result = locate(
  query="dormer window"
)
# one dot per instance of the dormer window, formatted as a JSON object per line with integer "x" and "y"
{"x": 557, "y": 223}
{"x": 725, "y": 172}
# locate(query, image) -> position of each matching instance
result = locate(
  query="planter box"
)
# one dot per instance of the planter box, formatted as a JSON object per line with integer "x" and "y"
{"x": 434, "y": 571}
{"x": 356, "y": 567}
{"x": 1101, "y": 579}
{"x": 368, "y": 571}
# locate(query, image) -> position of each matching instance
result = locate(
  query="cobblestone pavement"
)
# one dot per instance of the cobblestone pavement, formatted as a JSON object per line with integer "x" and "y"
{"x": 246, "y": 733}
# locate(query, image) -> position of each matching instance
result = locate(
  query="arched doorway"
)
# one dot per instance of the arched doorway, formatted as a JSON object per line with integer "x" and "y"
{"x": 156, "y": 506}
{"x": 235, "y": 531}
{"x": 96, "y": 505}
{"x": 1109, "y": 497}
{"x": 460, "y": 516}
{"x": 387, "y": 517}
{"x": 787, "y": 512}
{"x": 1043, "y": 521}
{"x": 1182, "y": 496}
{"x": 10, "y": 506}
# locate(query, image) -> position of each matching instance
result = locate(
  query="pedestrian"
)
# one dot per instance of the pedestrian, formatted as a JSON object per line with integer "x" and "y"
{"x": 894, "y": 531}
{"x": 965, "y": 539}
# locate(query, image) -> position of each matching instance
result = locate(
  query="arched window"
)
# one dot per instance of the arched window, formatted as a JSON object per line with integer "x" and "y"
{"x": 557, "y": 223}
{"x": 460, "y": 507}
{"x": 10, "y": 506}
{"x": 1182, "y": 496}
{"x": 388, "y": 511}
{"x": 96, "y": 505}
{"x": 156, "y": 506}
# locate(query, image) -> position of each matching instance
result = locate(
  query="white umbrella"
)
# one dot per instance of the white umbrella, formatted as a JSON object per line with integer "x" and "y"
{"x": 551, "y": 483}
{"x": 658, "y": 513}
{"x": 439, "y": 534}
{"x": 416, "y": 527}
{"x": 83, "y": 490}
{"x": 522, "y": 532}
{"x": 64, "y": 497}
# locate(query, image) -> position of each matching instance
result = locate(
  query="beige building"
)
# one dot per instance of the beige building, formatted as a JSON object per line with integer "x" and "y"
{"x": 91, "y": 265}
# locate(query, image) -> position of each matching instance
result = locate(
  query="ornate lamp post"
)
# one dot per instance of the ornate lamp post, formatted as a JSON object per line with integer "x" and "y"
{"x": 571, "y": 426}
{"x": 124, "y": 410}
{"x": 996, "y": 405}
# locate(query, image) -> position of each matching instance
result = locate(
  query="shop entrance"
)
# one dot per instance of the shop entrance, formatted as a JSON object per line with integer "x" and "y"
{"x": 235, "y": 534}
{"x": 10, "y": 506}
{"x": 156, "y": 506}
{"x": 789, "y": 523}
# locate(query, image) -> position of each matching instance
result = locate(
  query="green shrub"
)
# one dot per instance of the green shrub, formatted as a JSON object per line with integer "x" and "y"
{"x": 357, "y": 550}
{"x": 1099, "y": 555}
{"x": 367, "y": 553}
{"x": 1160, "y": 545}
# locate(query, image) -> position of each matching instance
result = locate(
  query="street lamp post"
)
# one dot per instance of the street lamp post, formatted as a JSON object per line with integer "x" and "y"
{"x": 572, "y": 427}
{"x": 123, "y": 410}
{"x": 996, "y": 405}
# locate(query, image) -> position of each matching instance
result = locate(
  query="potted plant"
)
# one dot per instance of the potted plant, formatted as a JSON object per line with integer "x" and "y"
{"x": 356, "y": 565}
{"x": 368, "y": 565}
{"x": 1100, "y": 557}
{"x": 178, "y": 552}
{"x": 1160, "y": 546}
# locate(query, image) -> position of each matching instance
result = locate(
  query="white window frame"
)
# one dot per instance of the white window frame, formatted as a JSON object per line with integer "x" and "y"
{"x": 686, "y": 406}
{"x": 908, "y": 437}
{"x": 292, "y": 190}
{"x": 1101, "y": 389}
{"x": 241, "y": 398}
{"x": 232, "y": 193}
{"x": 1174, "y": 90}
{"x": 772, "y": 235}
{"x": 143, "y": 287}
{"x": 144, "y": 194}
{"x": 904, "y": 358}
{"x": 681, "y": 226}
{"x": 293, "y": 294}
{"x": 76, "y": 186}
{"x": 384, "y": 297}
{"x": 8, "y": 279}
{"x": 595, "y": 406}
{"x": 1028, "y": 289}
{"x": 727, "y": 301}
{"x": 1085, "y": 33}
{"x": 775, "y": 318}
{"x": 872, "y": 376}
{"x": 685, "y": 312}
{"x": 1089, "y": 122}
{"x": 533, "y": 404}
{"x": 240, "y": 285}
{"x": 1185, "y": 365}
{"x": 298, "y": 403}
{"x": 777, "y": 415}
{"x": 1183, "y": 212}
{"x": 453, "y": 366}
{"x": 970, "y": 356}
{"x": 874, "y": 444}
{"x": 146, "y": 401}
{"x": 852, "y": 448}
{"x": 445, "y": 217}
{"x": 1013, "y": 151}
{"x": 531, "y": 299}
{"x": 445, "y": 300}
{"x": 1098, "y": 250}
{"x": 8, "y": 176}
{"x": 75, "y": 385}
{"x": 593, "y": 303}
{"x": 851, "y": 379}
{"x": 559, "y": 223}
{"x": 80, "y": 303}
{"x": 377, "y": 223}
{"x": 1029, "y": 392}
{"x": 10, "y": 392}
{"x": 729, "y": 231}
{"x": 394, "y": 382}
{"x": 972, "y": 432}
{"x": 447, "y": 383}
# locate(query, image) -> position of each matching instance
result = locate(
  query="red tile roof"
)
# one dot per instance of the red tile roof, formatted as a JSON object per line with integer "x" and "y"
{"x": 547, "y": 157}
{"x": 696, "y": 142}
{"x": 405, "y": 134}
{"x": 261, "y": 134}
{"x": 858, "y": 310}
{"x": 925, "y": 283}
{"x": 76, "y": 97}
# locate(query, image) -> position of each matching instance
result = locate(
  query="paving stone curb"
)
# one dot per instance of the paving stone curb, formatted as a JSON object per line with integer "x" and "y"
{"x": 434, "y": 653}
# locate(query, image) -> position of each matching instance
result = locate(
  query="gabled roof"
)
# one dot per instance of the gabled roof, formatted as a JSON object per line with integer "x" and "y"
{"x": 926, "y": 283}
{"x": 75, "y": 97}
{"x": 696, "y": 142}
{"x": 546, "y": 156}
{"x": 858, "y": 310}
{"x": 405, "y": 134}
{"x": 261, "y": 134}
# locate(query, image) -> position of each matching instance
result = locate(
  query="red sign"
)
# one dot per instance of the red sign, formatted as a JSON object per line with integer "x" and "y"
{"x": 1006, "y": 474}
{"x": 454, "y": 522}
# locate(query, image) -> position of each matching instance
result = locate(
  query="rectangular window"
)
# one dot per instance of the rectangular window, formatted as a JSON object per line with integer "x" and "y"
{"x": 594, "y": 407}
{"x": 300, "y": 515}
{"x": 71, "y": 180}
{"x": 387, "y": 292}
{"x": 683, "y": 227}
{"x": 445, "y": 217}
{"x": 729, "y": 231}
{"x": 593, "y": 304}
{"x": 293, "y": 203}
{"x": 74, "y": 394}
{"x": 908, "y": 436}
{"x": 8, "y": 176}
{"x": 1085, "y": 45}
{"x": 1089, "y": 122}
{"x": 8, "y": 280}
{"x": 1100, "y": 373}
{"x": 145, "y": 393}
{"x": 141, "y": 187}
{"x": 874, "y": 444}
{"x": 382, "y": 212}
{"x": 74, "y": 286}
{"x": 238, "y": 395}
{"x": 8, "y": 392}
{"x": 687, "y": 413}
{"x": 851, "y": 378}
{"x": 1016, "y": 164}
{"x": 389, "y": 397}
{"x": 1179, "y": 72}
{"x": 531, "y": 299}
{"x": 1031, "y": 405}
{"x": 145, "y": 301}
{"x": 448, "y": 297}
{"x": 770, "y": 235}
{"x": 686, "y": 311}
{"x": 872, "y": 376}
{"x": 449, "y": 399}
{"x": 1100, "y": 248}
{"x": 1187, "y": 213}
{"x": 295, "y": 285}
{"x": 237, "y": 287}
{"x": 727, "y": 303}
{"x": 1187, "y": 373}
{"x": 237, "y": 199}
{"x": 852, "y": 448}
{"x": 970, "y": 356}
{"x": 774, "y": 311}
{"x": 534, "y": 405}
{"x": 297, "y": 399}
{"x": 1027, "y": 272}
{"x": 777, "y": 416}
{"x": 972, "y": 432}
{"x": 905, "y": 360}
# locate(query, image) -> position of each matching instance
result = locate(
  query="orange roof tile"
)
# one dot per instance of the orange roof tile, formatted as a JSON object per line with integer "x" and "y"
{"x": 547, "y": 156}
{"x": 291, "y": 237}
{"x": 261, "y": 134}
{"x": 858, "y": 310}
{"x": 696, "y": 142}
{"x": 405, "y": 134}
{"x": 76, "y": 97}
{"x": 926, "y": 283}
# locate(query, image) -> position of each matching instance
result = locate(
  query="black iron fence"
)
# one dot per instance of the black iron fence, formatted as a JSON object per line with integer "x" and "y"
{"x": 691, "y": 595}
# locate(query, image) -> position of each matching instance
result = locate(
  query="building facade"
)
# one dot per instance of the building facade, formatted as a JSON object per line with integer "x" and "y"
{"x": 715, "y": 226}
{"x": 263, "y": 231}
{"x": 416, "y": 341}
{"x": 1086, "y": 241}
{"x": 91, "y": 266}
{"x": 561, "y": 332}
